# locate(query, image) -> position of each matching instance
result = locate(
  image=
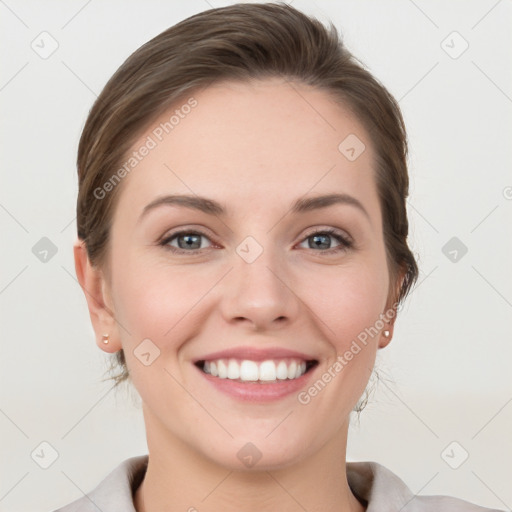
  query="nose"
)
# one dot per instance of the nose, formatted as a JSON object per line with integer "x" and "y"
{"x": 260, "y": 293}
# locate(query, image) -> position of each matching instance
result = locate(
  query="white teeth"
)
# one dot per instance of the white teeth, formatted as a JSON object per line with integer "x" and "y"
{"x": 233, "y": 370}
{"x": 222, "y": 369}
{"x": 292, "y": 370}
{"x": 282, "y": 371}
{"x": 268, "y": 370}
{"x": 248, "y": 370}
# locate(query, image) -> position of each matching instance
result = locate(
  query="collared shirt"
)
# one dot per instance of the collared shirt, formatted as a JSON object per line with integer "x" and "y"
{"x": 379, "y": 489}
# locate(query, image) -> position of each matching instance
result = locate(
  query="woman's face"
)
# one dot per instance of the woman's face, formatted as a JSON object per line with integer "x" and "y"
{"x": 260, "y": 276}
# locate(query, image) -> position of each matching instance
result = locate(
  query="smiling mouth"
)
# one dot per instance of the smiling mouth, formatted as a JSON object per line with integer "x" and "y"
{"x": 268, "y": 371}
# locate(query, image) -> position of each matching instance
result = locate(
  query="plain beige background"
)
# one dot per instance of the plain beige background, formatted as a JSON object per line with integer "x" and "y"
{"x": 445, "y": 376}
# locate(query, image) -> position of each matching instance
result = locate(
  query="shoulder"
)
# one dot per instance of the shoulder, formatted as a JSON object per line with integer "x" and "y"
{"x": 115, "y": 492}
{"x": 383, "y": 491}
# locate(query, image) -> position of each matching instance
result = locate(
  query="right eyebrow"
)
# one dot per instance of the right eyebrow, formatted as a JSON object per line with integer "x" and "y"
{"x": 202, "y": 204}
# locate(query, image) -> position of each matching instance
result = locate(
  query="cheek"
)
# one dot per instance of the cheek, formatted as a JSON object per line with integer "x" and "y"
{"x": 158, "y": 301}
{"x": 347, "y": 303}
{"x": 348, "y": 299}
{"x": 161, "y": 305}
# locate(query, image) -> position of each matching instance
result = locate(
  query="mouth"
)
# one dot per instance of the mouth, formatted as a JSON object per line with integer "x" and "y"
{"x": 261, "y": 372}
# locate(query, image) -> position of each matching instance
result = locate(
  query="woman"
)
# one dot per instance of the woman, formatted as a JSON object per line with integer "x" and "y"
{"x": 242, "y": 246}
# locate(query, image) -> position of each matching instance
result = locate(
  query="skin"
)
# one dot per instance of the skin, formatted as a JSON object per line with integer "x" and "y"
{"x": 254, "y": 147}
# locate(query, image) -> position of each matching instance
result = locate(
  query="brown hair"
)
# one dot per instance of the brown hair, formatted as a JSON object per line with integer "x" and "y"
{"x": 239, "y": 42}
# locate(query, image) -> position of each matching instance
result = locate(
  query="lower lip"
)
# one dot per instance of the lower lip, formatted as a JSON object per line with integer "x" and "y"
{"x": 253, "y": 391}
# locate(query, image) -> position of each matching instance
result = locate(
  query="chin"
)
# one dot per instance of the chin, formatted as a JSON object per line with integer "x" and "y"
{"x": 258, "y": 453}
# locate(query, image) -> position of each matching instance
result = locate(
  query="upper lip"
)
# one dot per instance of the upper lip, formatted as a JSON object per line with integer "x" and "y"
{"x": 255, "y": 354}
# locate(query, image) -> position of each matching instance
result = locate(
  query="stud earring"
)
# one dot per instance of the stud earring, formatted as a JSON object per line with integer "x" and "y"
{"x": 386, "y": 334}
{"x": 105, "y": 339}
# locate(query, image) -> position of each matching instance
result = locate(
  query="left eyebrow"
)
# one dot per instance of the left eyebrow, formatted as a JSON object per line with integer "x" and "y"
{"x": 212, "y": 207}
{"x": 307, "y": 204}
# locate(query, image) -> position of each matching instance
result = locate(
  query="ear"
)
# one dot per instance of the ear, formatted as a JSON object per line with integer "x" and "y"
{"x": 389, "y": 314}
{"x": 388, "y": 317}
{"x": 96, "y": 290}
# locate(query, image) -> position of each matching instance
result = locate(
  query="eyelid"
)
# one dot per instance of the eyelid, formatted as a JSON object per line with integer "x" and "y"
{"x": 186, "y": 230}
{"x": 329, "y": 230}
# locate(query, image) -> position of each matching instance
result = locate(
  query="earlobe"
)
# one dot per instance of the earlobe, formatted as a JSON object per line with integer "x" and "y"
{"x": 106, "y": 344}
{"x": 386, "y": 335}
{"x": 92, "y": 282}
{"x": 389, "y": 315}
{"x": 388, "y": 318}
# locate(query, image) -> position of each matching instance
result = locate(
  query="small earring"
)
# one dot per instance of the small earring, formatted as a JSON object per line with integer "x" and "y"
{"x": 105, "y": 339}
{"x": 386, "y": 334}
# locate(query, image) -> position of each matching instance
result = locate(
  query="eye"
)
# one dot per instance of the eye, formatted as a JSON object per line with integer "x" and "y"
{"x": 188, "y": 241}
{"x": 322, "y": 239}
{"x": 191, "y": 241}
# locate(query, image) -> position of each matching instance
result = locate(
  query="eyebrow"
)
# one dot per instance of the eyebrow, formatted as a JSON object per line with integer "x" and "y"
{"x": 212, "y": 207}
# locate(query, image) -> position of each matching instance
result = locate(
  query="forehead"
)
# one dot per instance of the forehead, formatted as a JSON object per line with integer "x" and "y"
{"x": 267, "y": 140}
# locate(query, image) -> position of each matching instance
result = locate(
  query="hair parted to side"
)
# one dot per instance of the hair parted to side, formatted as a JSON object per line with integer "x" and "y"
{"x": 240, "y": 42}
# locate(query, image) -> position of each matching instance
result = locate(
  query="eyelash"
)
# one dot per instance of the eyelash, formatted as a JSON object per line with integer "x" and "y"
{"x": 345, "y": 242}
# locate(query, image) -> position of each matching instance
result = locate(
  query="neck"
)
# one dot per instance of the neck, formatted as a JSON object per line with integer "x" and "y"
{"x": 180, "y": 478}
